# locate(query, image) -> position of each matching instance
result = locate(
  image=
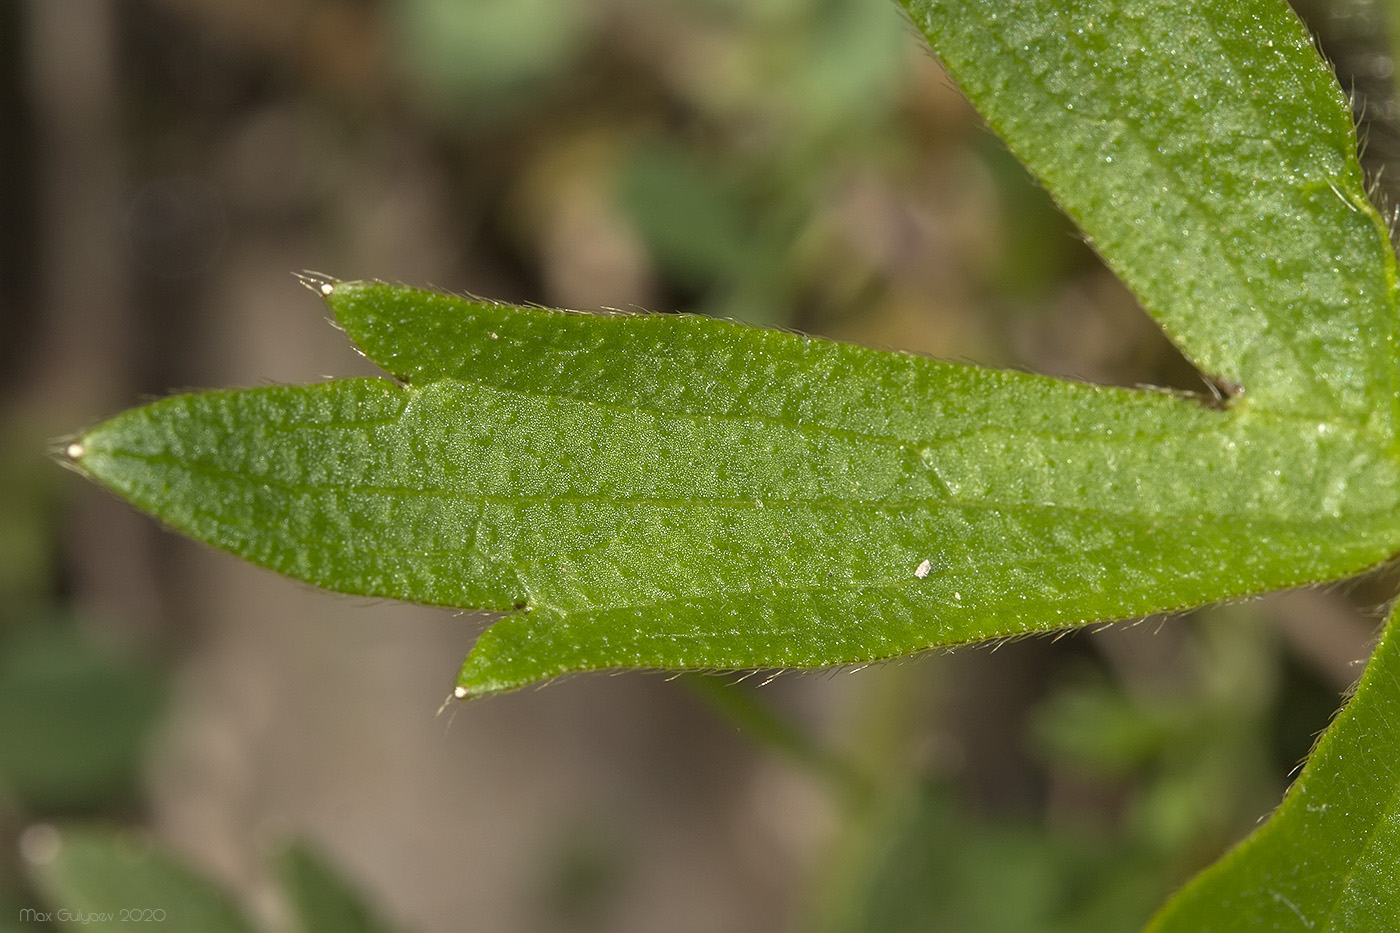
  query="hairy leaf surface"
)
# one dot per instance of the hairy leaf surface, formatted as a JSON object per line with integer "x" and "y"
{"x": 746, "y": 498}
{"x": 680, "y": 493}
{"x": 1209, "y": 155}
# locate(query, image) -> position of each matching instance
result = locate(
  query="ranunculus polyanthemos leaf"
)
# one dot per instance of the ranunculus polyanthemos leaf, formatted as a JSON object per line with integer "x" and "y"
{"x": 680, "y": 492}
{"x": 676, "y": 492}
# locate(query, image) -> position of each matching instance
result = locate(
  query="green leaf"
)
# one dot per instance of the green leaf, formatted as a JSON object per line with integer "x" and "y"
{"x": 679, "y": 492}
{"x": 322, "y": 901}
{"x": 1328, "y": 859}
{"x": 1209, "y": 155}
{"x": 685, "y": 493}
{"x": 109, "y": 881}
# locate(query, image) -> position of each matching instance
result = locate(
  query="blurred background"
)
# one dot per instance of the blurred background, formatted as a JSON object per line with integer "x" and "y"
{"x": 166, "y": 165}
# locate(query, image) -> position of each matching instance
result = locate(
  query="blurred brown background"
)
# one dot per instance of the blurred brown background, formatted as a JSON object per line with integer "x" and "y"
{"x": 166, "y": 165}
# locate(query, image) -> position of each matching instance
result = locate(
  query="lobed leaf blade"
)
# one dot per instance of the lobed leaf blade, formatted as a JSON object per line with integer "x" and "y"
{"x": 771, "y": 522}
{"x": 677, "y": 492}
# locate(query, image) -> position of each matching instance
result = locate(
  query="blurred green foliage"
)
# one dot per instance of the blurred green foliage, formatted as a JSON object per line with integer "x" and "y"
{"x": 74, "y": 717}
{"x": 1146, "y": 782}
{"x": 486, "y": 58}
{"x": 322, "y": 901}
{"x": 96, "y": 875}
{"x": 933, "y": 865}
{"x": 1193, "y": 761}
{"x": 75, "y": 712}
{"x": 106, "y": 880}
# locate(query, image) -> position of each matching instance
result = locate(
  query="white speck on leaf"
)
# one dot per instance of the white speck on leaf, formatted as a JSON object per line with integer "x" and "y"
{"x": 460, "y": 693}
{"x": 75, "y": 451}
{"x": 923, "y": 569}
{"x": 327, "y": 288}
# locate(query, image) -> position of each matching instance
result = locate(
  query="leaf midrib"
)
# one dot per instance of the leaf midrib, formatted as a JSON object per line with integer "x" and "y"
{"x": 748, "y": 503}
